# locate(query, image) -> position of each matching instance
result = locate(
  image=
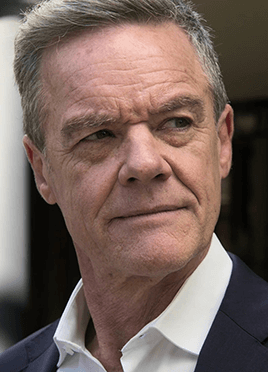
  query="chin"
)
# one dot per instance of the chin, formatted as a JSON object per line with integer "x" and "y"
{"x": 160, "y": 257}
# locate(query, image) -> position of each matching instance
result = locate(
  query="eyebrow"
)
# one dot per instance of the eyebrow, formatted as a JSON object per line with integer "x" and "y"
{"x": 194, "y": 104}
{"x": 77, "y": 124}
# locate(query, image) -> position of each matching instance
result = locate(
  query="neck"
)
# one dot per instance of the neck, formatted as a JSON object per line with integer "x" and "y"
{"x": 121, "y": 307}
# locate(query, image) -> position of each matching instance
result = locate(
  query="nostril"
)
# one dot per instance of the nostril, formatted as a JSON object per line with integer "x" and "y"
{"x": 139, "y": 168}
{"x": 159, "y": 176}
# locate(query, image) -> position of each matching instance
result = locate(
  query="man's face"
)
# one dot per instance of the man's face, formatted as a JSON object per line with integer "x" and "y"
{"x": 134, "y": 158}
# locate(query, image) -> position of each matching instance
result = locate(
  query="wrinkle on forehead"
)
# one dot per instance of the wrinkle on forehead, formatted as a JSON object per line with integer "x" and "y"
{"x": 146, "y": 60}
{"x": 114, "y": 41}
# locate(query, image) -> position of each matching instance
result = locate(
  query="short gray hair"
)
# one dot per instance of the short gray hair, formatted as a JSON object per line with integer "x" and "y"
{"x": 55, "y": 19}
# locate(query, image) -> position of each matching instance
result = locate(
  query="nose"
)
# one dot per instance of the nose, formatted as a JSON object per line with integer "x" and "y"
{"x": 143, "y": 160}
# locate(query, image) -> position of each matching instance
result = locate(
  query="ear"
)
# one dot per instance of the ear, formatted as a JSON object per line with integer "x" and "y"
{"x": 40, "y": 169}
{"x": 225, "y": 134}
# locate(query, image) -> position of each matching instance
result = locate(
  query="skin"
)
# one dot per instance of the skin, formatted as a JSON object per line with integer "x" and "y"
{"x": 134, "y": 159}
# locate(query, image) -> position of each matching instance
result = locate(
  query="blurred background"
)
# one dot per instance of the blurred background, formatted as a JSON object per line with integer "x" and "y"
{"x": 38, "y": 267}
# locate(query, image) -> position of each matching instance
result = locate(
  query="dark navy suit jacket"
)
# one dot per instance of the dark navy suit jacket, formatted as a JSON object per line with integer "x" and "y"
{"x": 237, "y": 341}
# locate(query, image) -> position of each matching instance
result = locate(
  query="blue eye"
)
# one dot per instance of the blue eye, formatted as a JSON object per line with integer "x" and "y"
{"x": 99, "y": 135}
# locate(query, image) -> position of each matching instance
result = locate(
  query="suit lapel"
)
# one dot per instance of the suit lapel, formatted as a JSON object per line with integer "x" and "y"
{"x": 229, "y": 348}
{"x": 234, "y": 342}
{"x": 42, "y": 352}
{"x": 46, "y": 362}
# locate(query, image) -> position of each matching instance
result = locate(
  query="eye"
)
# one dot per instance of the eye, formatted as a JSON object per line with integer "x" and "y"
{"x": 99, "y": 135}
{"x": 178, "y": 123}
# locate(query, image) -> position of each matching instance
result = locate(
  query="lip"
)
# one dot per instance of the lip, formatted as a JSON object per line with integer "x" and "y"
{"x": 150, "y": 211}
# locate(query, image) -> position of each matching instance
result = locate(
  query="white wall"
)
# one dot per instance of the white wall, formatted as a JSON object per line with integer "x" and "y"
{"x": 13, "y": 188}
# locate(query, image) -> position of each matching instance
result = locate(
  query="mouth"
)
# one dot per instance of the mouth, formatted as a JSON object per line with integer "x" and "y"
{"x": 149, "y": 212}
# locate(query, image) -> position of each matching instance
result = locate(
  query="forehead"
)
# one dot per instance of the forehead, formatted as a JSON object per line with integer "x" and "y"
{"x": 130, "y": 63}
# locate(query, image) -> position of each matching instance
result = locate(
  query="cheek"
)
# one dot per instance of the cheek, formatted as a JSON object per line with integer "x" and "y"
{"x": 200, "y": 174}
{"x": 198, "y": 168}
{"x": 86, "y": 188}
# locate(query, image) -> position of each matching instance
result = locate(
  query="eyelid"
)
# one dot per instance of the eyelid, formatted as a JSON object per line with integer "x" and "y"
{"x": 189, "y": 121}
{"x": 86, "y": 138}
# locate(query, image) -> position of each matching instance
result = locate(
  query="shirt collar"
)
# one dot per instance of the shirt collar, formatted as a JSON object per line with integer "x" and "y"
{"x": 187, "y": 320}
{"x": 199, "y": 298}
{"x": 70, "y": 333}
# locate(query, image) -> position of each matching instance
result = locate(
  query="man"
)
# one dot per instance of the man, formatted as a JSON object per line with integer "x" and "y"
{"x": 129, "y": 131}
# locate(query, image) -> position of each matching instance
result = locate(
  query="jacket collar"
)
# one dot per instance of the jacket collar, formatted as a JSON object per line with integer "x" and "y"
{"x": 42, "y": 352}
{"x": 237, "y": 337}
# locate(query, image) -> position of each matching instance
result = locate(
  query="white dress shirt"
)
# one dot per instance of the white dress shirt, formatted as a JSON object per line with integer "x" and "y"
{"x": 171, "y": 342}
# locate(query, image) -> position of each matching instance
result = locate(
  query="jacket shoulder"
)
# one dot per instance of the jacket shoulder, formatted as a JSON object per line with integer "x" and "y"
{"x": 21, "y": 355}
{"x": 237, "y": 340}
{"x": 246, "y": 300}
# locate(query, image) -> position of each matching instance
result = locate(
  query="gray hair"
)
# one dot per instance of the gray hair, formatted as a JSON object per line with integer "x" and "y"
{"x": 55, "y": 19}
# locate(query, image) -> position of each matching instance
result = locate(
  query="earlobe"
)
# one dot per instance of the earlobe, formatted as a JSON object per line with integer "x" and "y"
{"x": 40, "y": 169}
{"x": 225, "y": 134}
